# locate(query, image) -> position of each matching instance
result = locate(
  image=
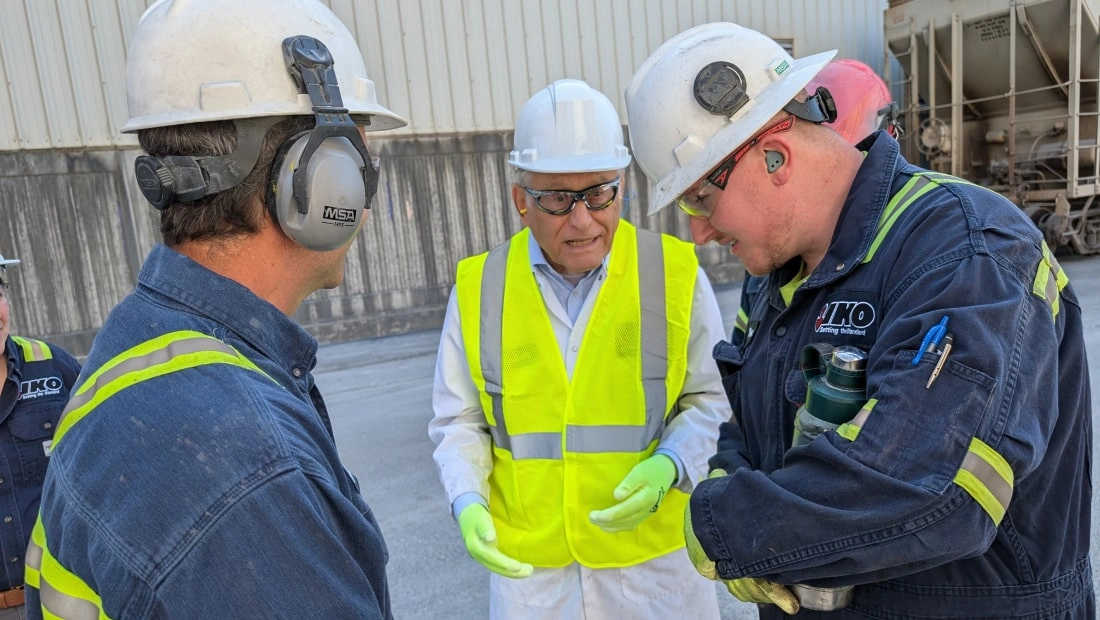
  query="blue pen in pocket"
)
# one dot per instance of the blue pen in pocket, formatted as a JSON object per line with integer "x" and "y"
{"x": 931, "y": 339}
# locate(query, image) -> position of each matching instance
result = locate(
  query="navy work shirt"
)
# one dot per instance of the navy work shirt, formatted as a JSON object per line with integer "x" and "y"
{"x": 31, "y": 402}
{"x": 213, "y": 491}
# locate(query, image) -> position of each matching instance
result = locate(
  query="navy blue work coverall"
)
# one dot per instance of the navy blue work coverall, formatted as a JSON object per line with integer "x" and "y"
{"x": 40, "y": 377}
{"x": 892, "y": 504}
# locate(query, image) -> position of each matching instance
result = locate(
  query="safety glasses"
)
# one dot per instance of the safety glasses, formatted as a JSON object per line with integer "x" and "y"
{"x": 561, "y": 201}
{"x": 698, "y": 200}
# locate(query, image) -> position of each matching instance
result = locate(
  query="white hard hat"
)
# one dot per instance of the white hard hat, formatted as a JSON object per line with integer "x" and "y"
{"x": 193, "y": 61}
{"x": 569, "y": 127}
{"x": 4, "y": 262}
{"x": 702, "y": 94}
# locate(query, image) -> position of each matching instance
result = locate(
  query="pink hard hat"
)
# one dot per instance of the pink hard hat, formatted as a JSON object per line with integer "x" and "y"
{"x": 863, "y": 102}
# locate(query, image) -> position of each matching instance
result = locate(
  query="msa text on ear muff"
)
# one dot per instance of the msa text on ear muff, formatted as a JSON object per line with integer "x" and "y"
{"x": 323, "y": 181}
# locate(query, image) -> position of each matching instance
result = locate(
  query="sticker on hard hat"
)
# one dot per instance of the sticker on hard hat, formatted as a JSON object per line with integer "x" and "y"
{"x": 720, "y": 88}
{"x": 783, "y": 66}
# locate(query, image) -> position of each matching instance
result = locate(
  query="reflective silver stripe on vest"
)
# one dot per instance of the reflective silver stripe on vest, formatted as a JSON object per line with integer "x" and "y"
{"x": 529, "y": 445}
{"x": 492, "y": 315}
{"x": 651, "y": 280}
{"x": 62, "y": 605}
{"x": 654, "y": 348}
{"x": 153, "y": 358}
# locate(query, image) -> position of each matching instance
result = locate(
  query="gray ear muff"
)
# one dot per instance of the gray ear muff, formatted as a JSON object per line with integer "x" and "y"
{"x": 327, "y": 177}
{"x": 336, "y": 195}
{"x": 773, "y": 159}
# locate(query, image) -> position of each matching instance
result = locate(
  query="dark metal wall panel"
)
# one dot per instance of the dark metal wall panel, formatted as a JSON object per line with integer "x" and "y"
{"x": 61, "y": 215}
{"x": 81, "y": 229}
{"x": 441, "y": 200}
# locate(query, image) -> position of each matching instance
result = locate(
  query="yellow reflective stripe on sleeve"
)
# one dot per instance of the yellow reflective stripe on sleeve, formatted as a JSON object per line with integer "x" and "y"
{"x": 919, "y": 185}
{"x": 1049, "y": 281}
{"x": 943, "y": 177}
{"x": 741, "y": 323}
{"x": 165, "y": 354}
{"x": 850, "y": 429}
{"x": 987, "y": 477}
{"x": 916, "y": 187}
{"x": 63, "y": 594}
{"x": 33, "y": 350}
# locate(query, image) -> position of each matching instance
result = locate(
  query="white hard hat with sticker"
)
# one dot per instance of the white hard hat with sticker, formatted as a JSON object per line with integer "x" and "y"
{"x": 701, "y": 95}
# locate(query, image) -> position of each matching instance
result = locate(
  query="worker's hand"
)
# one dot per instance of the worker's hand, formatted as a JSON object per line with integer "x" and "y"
{"x": 639, "y": 495}
{"x": 756, "y": 590}
{"x": 698, "y": 557}
{"x": 480, "y": 537}
{"x": 747, "y": 589}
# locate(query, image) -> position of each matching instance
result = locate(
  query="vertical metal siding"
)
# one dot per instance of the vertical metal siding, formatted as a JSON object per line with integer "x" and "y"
{"x": 17, "y": 55}
{"x": 460, "y": 71}
{"x": 450, "y": 67}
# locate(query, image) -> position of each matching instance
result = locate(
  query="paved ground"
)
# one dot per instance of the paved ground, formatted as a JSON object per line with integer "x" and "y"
{"x": 379, "y": 394}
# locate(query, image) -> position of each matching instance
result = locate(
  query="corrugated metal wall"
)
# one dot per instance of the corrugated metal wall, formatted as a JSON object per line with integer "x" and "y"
{"x": 448, "y": 66}
{"x": 459, "y": 71}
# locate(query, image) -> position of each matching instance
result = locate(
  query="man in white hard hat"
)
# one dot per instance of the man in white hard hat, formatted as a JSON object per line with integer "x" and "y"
{"x": 575, "y": 401}
{"x": 863, "y": 104}
{"x": 35, "y": 380}
{"x": 194, "y": 473}
{"x": 961, "y": 489}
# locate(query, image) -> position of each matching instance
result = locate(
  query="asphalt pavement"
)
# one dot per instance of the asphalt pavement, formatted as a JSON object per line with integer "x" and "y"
{"x": 379, "y": 395}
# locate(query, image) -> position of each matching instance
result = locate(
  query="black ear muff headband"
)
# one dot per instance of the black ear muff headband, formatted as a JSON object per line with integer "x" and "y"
{"x": 310, "y": 64}
{"x": 182, "y": 178}
{"x": 818, "y": 108}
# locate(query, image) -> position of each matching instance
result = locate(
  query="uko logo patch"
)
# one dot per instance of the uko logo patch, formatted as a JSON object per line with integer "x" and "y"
{"x": 38, "y": 388}
{"x": 848, "y": 313}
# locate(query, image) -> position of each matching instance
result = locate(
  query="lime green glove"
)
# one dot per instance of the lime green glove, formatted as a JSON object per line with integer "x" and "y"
{"x": 698, "y": 557}
{"x": 639, "y": 495}
{"x": 747, "y": 589}
{"x": 756, "y": 590}
{"x": 480, "y": 537}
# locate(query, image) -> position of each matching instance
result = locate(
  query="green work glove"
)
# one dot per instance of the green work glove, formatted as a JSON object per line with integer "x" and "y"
{"x": 698, "y": 557}
{"x": 756, "y": 590}
{"x": 639, "y": 495}
{"x": 747, "y": 589}
{"x": 480, "y": 537}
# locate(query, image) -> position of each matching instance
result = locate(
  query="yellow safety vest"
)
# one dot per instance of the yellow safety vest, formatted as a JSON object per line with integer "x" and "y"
{"x": 561, "y": 446}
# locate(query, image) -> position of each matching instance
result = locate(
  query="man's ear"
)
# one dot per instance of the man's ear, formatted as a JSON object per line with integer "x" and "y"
{"x": 519, "y": 200}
